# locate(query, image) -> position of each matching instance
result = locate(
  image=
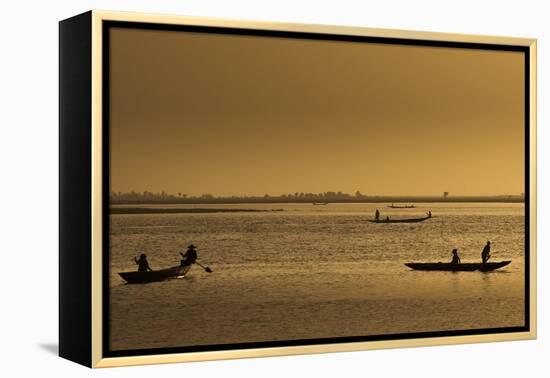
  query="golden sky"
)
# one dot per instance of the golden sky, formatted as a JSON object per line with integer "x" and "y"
{"x": 245, "y": 115}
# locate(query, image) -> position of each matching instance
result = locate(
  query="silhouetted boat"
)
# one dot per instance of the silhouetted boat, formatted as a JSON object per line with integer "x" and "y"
{"x": 402, "y": 207}
{"x": 320, "y": 203}
{"x": 155, "y": 275}
{"x": 464, "y": 267}
{"x": 405, "y": 220}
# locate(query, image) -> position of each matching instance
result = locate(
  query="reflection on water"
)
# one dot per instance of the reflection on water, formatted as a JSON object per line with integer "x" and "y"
{"x": 314, "y": 272}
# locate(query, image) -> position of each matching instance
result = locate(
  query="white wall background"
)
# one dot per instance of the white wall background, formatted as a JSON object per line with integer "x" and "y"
{"x": 28, "y": 158}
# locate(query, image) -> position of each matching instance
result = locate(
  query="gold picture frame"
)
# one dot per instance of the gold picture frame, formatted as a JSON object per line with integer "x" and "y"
{"x": 82, "y": 184}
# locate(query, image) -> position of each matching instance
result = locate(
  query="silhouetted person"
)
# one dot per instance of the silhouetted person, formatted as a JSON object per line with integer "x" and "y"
{"x": 377, "y": 215}
{"x": 456, "y": 258}
{"x": 429, "y": 214}
{"x": 190, "y": 256}
{"x": 143, "y": 265}
{"x": 387, "y": 218}
{"x": 486, "y": 253}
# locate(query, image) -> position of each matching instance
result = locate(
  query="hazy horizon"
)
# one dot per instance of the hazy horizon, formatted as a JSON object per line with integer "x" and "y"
{"x": 323, "y": 192}
{"x": 236, "y": 115}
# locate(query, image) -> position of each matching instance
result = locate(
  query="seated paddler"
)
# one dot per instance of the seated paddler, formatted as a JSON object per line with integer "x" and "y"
{"x": 456, "y": 258}
{"x": 143, "y": 265}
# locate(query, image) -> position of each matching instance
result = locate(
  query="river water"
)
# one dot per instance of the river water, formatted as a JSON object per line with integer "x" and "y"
{"x": 313, "y": 272}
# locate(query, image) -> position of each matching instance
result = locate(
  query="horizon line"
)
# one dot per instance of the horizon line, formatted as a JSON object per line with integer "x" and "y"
{"x": 306, "y": 194}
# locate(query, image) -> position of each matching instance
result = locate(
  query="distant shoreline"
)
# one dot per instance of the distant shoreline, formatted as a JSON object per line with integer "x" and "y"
{"x": 145, "y": 210}
{"x": 277, "y": 200}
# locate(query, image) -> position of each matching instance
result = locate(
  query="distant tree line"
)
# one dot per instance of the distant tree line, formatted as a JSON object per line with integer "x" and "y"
{"x": 163, "y": 197}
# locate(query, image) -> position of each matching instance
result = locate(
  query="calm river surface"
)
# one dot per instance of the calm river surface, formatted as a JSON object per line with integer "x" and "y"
{"x": 313, "y": 272}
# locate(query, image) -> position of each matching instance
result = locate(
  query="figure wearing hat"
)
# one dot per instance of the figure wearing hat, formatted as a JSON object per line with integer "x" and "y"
{"x": 190, "y": 256}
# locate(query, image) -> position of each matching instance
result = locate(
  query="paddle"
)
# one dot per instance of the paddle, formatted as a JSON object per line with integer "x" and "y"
{"x": 206, "y": 268}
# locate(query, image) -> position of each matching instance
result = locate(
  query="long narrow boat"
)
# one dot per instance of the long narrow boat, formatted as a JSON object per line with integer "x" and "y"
{"x": 155, "y": 275}
{"x": 402, "y": 207}
{"x": 406, "y": 220}
{"x": 465, "y": 267}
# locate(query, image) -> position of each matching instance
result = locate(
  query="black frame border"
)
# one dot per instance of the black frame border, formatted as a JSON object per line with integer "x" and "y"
{"x": 107, "y": 25}
{"x": 75, "y": 184}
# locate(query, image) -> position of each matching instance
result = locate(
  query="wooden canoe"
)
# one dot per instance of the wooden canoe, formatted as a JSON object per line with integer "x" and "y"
{"x": 155, "y": 275}
{"x": 465, "y": 267}
{"x": 405, "y": 220}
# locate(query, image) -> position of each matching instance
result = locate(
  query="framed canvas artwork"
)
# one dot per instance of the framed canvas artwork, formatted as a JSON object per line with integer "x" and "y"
{"x": 235, "y": 189}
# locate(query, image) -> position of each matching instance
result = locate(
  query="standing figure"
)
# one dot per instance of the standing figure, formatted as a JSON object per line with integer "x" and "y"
{"x": 190, "y": 256}
{"x": 486, "y": 253}
{"x": 456, "y": 258}
{"x": 377, "y": 215}
{"x": 143, "y": 265}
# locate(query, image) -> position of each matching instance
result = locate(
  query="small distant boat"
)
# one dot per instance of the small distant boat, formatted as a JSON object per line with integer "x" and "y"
{"x": 404, "y": 220}
{"x": 156, "y": 275}
{"x": 464, "y": 267}
{"x": 402, "y": 207}
{"x": 320, "y": 203}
